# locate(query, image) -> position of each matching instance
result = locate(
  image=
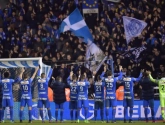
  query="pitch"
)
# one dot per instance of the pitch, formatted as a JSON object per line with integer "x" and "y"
{"x": 81, "y": 122}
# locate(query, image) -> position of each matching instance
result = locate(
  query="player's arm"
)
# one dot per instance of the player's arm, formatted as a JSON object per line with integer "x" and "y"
{"x": 34, "y": 74}
{"x": 69, "y": 79}
{"x": 152, "y": 79}
{"x": 140, "y": 76}
{"x": 120, "y": 75}
{"x": 19, "y": 78}
{"x": 103, "y": 73}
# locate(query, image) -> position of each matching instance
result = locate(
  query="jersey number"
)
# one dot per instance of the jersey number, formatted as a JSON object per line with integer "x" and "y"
{"x": 73, "y": 89}
{"x": 127, "y": 85}
{"x": 25, "y": 87}
{"x": 41, "y": 86}
{"x": 162, "y": 87}
{"x": 81, "y": 88}
{"x": 109, "y": 85}
{"x": 5, "y": 85}
{"x": 98, "y": 88}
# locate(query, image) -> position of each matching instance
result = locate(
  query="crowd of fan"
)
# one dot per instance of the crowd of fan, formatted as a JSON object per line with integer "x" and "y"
{"x": 29, "y": 28}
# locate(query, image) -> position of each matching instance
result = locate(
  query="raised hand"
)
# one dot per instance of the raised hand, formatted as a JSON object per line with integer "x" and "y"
{"x": 120, "y": 68}
{"x": 142, "y": 70}
{"x": 105, "y": 68}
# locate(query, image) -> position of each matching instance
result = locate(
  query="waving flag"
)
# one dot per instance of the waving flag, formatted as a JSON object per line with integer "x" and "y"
{"x": 94, "y": 57}
{"x": 133, "y": 27}
{"x": 75, "y": 23}
{"x": 135, "y": 54}
{"x": 90, "y": 6}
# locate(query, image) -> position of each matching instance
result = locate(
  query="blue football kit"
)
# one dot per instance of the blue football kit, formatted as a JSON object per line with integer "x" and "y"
{"x": 43, "y": 100}
{"x": 82, "y": 90}
{"x": 73, "y": 93}
{"x": 26, "y": 96}
{"x": 129, "y": 95}
{"x": 7, "y": 98}
{"x": 99, "y": 99}
{"x": 43, "y": 91}
{"x": 73, "y": 98}
{"x": 110, "y": 97}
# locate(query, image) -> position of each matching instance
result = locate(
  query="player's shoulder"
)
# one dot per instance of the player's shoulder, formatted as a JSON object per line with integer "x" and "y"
{"x": 42, "y": 80}
{"x": 24, "y": 82}
{"x": 98, "y": 83}
{"x": 82, "y": 83}
{"x": 109, "y": 80}
{"x": 161, "y": 81}
{"x": 6, "y": 80}
{"x": 127, "y": 79}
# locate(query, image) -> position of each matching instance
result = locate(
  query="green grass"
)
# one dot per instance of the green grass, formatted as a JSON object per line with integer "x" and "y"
{"x": 81, "y": 122}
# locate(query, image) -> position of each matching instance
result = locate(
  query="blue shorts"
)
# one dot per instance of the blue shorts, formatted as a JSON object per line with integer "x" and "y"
{"x": 59, "y": 106}
{"x": 0, "y": 103}
{"x": 99, "y": 105}
{"x": 44, "y": 103}
{"x": 25, "y": 102}
{"x": 128, "y": 103}
{"x": 83, "y": 103}
{"x": 110, "y": 103}
{"x": 148, "y": 103}
{"x": 73, "y": 104}
{"x": 7, "y": 102}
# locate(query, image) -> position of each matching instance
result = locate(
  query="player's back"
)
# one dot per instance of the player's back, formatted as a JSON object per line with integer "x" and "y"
{"x": 128, "y": 85}
{"x": 7, "y": 88}
{"x": 43, "y": 89}
{"x": 82, "y": 90}
{"x": 110, "y": 85}
{"x": 161, "y": 84}
{"x": 26, "y": 89}
{"x": 99, "y": 90}
{"x": 73, "y": 91}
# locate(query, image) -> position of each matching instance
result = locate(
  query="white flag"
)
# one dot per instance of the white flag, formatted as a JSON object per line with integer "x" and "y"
{"x": 94, "y": 57}
{"x": 133, "y": 27}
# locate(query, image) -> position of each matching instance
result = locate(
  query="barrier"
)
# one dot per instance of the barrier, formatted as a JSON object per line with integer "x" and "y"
{"x": 138, "y": 111}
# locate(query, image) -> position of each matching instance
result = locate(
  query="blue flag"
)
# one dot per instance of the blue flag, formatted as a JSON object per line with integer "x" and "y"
{"x": 76, "y": 24}
{"x": 90, "y": 6}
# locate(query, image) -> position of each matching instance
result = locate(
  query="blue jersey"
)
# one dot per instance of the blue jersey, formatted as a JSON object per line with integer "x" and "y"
{"x": 73, "y": 89}
{"x": 99, "y": 91}
{"x": 26, "y": 89}
{"x": 128, "y": 85}
{"x": 110, "y": 85}
{"x": 82, "y": 89}
{"x": 43, "y": 86}
{"x": 7, "y": 88}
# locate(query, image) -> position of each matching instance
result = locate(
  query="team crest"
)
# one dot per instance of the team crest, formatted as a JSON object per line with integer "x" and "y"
{"x": 134, "y": 27}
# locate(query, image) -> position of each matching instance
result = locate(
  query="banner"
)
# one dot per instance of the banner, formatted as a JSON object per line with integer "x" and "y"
{"x": 94, "y": 57}
{"x": 135, "y": 54}
{"x": 138, "y": 111}
{"x": 90, "y": 6}
{"x": 133, "y": 27}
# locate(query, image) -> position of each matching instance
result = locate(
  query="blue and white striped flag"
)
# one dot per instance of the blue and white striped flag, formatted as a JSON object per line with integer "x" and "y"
{"x": 133, "y": 27}
{"x": 17, "y": 63}
{"x": 76, "y": 24}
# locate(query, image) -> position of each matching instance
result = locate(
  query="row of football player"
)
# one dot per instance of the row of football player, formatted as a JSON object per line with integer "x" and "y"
{"x": 79, "y": 94}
